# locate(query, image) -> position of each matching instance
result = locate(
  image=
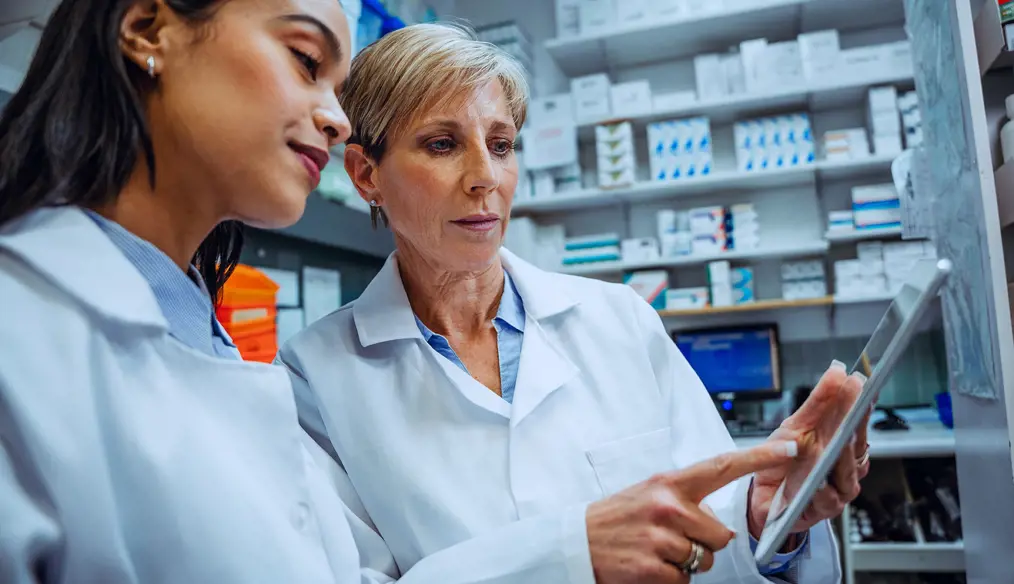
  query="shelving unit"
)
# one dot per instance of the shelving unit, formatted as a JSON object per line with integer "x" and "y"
{"x": 862, "y": 234}
{"x": 902, "y": 557}
{"x": 829, "y": 94}
{"x": 801, "y": 249}
{"x": 767, "y": 305}
{"x": 729, "y": 181}
{"x": 682, "y": 36}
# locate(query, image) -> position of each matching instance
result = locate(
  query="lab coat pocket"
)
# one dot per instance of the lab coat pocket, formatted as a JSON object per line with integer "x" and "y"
{"x": 625, "y": 462}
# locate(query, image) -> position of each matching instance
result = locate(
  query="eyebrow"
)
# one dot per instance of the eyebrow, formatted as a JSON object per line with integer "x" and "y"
{"x": 333, "y": 44}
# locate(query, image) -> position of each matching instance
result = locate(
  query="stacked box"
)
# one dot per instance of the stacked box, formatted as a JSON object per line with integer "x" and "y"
{"x": 614, "y": 149}
{"x": 803, "y": 279}
{"x": 777, "y": 142}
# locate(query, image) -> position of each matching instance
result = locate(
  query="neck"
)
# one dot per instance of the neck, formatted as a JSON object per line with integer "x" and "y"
{"x": 451, "y": 303}
{"x": 159, "y": 215}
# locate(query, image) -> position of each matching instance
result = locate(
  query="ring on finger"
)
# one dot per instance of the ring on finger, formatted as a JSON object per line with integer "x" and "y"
{"x": 862, "y": 460}
{"x": 692, "y": 565}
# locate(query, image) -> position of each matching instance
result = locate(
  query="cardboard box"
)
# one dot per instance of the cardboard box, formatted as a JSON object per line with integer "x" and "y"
{"x": 709, "y": 73}
{"x": 568, "y": 18}
{"x": 633, "y": 12}
{"x": 590, "y": 95}
{"x": 819, "y": 53}
{"x": 630, "y": 99}
{"x": 661, "y": 102}
{"x": 862, "y": 195}
{"x": 686, "y": 298}
{"x": 612, "y": 179}
{"x": 551, "y": 110}
{"x": 643, "y": 249}
{"x": 597, "y": 16}
{"x": 650, "y": 285}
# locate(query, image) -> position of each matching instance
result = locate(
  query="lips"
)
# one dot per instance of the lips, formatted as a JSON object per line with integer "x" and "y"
{"x": 478, "y": 222}
{"x": 313, "y": 159}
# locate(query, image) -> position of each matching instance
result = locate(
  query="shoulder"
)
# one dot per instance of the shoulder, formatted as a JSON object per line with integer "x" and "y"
{"x": 332, "y": 336}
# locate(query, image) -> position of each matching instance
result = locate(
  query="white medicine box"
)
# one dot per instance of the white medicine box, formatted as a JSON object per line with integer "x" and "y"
{"x": 568, "y": 19}
{"x": 552, "y": 110}
{"x": 633, "y": 12}
{"x": 630, "y": 99}
{"x": 597, "y": 15}
{"x": 590, "y": 95}
{"x": 819, "y": 53}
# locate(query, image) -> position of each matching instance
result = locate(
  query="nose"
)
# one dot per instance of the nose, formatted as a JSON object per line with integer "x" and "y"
{"x": 333, "y": 123}
{"x": 480, "y": 176}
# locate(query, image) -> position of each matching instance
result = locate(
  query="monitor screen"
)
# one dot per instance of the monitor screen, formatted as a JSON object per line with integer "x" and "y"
{"x": 738, "y": 360}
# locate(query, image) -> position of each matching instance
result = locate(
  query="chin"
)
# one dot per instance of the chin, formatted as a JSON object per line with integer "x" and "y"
{"x": 277, "y": 212}
{"x": 477, "y": 258}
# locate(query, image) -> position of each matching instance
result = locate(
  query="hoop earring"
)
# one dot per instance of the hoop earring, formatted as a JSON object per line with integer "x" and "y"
{"x": 377, "y": 214}
{"x": 150, "y": 61}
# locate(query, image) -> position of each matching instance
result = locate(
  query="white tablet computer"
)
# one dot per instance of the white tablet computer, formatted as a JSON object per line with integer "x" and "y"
{"x": 882, "y": 352}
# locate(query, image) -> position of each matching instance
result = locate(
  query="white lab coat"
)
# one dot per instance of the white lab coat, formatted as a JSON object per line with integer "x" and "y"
{"x": 126, "y": 457}
{"x": 431, "y": 458}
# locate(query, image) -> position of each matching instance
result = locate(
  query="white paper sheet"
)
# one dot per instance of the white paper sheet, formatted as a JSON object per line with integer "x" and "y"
{"x": 322, "y": 293}
{"x": 290, "y": 322}
{"x": 288, "y": 286}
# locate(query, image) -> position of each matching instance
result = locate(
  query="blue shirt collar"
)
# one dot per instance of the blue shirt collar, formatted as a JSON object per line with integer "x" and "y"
{"x": 182, "y": 297}
{"x": 510, "y": 313}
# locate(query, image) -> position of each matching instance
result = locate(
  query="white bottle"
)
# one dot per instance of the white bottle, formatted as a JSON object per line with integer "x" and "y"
{"x": 1007, "y": 132}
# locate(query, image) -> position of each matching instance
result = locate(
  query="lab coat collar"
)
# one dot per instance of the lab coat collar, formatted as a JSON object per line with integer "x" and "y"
{"x": 71, "y": 251}
{"x": 382, "y": 313}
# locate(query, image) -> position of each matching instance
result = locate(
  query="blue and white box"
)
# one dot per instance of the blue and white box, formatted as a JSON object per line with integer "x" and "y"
{"x": 650, "y": 285}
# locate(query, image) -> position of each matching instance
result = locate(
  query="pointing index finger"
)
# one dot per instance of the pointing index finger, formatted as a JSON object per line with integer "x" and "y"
{"x": 706, "y": 477}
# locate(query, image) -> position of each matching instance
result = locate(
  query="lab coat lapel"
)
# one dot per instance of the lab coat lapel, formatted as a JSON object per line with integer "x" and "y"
{"x": 544, "y": 368}
{"x": 383, "y": 314}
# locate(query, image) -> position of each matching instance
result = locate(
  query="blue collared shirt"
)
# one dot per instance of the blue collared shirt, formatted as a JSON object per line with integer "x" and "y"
{"x": 510, "y": 332}
{"x": 183, "y": 298}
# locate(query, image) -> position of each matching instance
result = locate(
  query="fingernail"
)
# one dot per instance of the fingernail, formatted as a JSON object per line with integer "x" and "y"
{"x": 836, "y": 364}
{"x": 732, "y": 534}
{"x": 862, "y": 378}
{"x": 791, "y": 449}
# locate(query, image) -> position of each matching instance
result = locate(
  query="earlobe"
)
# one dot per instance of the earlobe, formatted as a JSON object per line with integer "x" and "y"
{"x": 362, "y": 172}
{"x": 140, "y": 38}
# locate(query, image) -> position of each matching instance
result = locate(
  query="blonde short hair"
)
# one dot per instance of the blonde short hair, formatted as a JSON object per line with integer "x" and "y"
{"x": 410, "y": 70}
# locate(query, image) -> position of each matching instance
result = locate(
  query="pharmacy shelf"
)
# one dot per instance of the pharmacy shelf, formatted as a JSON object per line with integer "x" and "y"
{"x": 825, "y": 95}
{"x": 1004, "y": 178}
{"x": 691, "y": 34}
{"x": 768, "y": 305}
{"x": 862, "y": 234}
{"x": 731, "y": 181}
{"x": 772, "y": 252}
{"x": 908, "y": 557}
{"x": 846, "y": 300}
{"x": 758, "y": 306}
{"x": 989, "y": 41}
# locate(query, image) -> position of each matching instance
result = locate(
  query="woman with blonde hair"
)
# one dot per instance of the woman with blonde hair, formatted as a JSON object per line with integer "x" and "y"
{"x": 549, "y": 420}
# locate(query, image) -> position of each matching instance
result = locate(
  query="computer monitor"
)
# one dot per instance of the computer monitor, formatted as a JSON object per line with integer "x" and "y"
{"x": 735, "y": 363}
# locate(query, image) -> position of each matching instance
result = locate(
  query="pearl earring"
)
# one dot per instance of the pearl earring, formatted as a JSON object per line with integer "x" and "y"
{"x": 150, "y": 61}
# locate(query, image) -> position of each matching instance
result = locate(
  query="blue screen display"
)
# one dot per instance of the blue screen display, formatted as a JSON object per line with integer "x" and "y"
{"x": 732, "y": 360}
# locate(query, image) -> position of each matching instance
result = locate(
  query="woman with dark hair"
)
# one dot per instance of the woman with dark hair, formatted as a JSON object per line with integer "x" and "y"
{"x": 135, "y": 445}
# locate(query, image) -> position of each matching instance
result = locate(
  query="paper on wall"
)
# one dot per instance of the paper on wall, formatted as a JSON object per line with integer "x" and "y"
{"x": 322, "y": 293}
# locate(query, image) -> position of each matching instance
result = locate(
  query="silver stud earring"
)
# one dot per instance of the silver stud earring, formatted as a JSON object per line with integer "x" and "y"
{"x": 150, "y": 61}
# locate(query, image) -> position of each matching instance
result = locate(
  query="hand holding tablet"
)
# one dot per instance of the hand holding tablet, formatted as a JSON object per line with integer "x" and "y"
{"x": 832, "y": 430}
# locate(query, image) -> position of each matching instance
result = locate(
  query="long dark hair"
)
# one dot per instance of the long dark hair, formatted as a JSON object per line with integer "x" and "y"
{"x": 72, "y": 133}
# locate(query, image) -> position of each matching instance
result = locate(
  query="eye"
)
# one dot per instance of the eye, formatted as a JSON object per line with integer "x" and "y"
{"x": 309, "y": 63}
{"x": 503, "y": 147}
{"x": 441, "y": 145}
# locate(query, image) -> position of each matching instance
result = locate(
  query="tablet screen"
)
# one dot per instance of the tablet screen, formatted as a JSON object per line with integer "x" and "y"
{"x": 888, "y": 342}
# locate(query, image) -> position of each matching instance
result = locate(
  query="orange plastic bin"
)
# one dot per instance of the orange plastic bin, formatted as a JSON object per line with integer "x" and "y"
{"x": 247, "y": 311}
